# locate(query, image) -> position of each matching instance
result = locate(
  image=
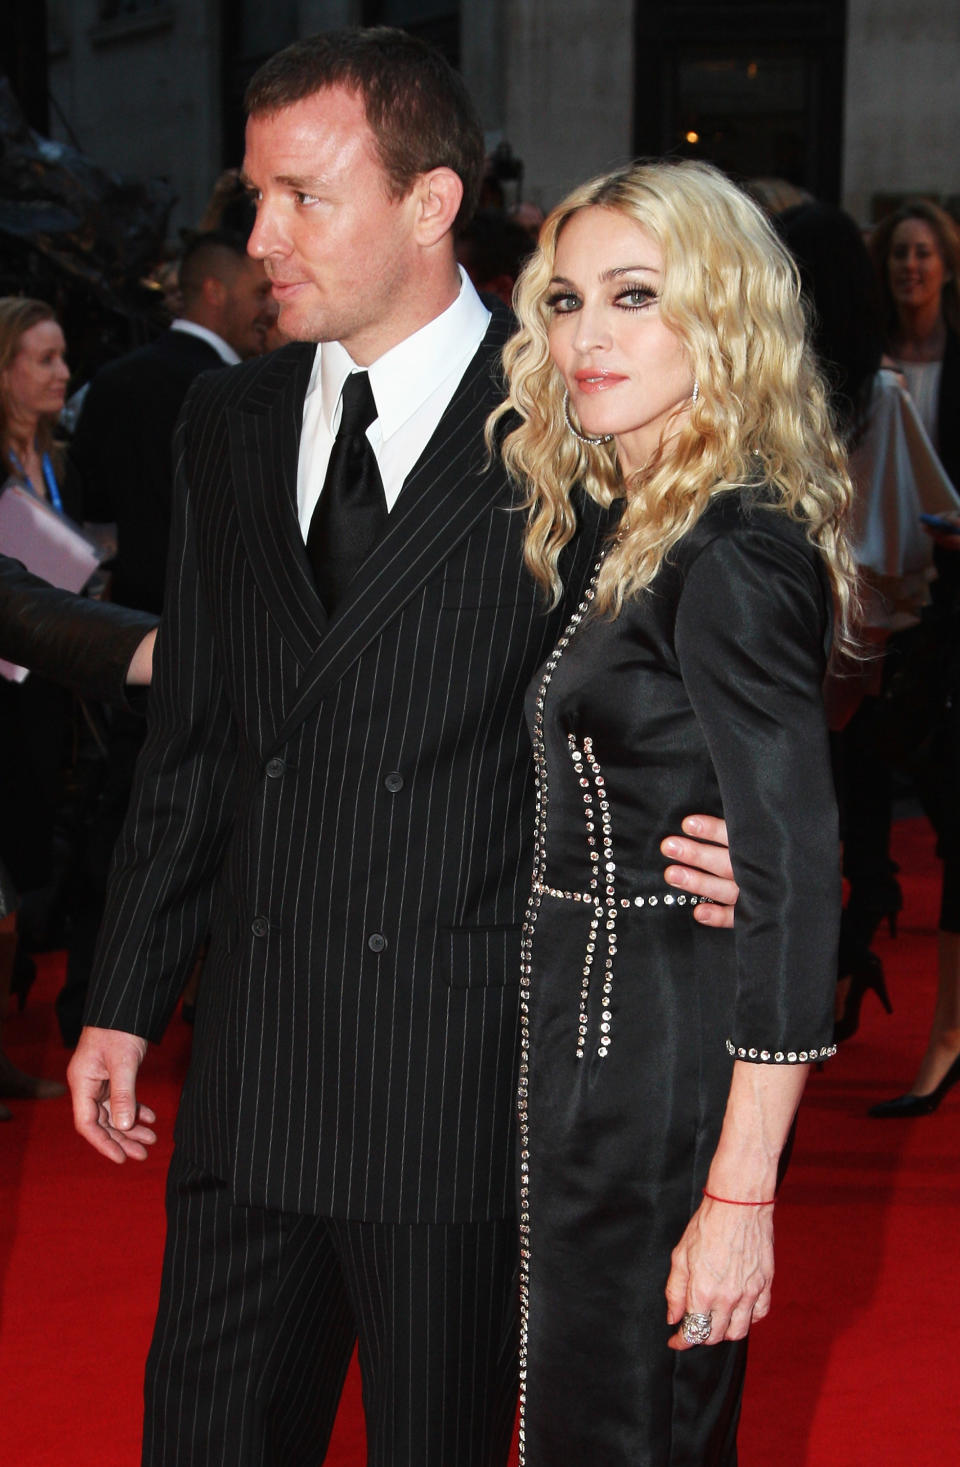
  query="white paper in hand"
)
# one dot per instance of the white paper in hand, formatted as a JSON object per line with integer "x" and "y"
{"x": 47, "y": 544}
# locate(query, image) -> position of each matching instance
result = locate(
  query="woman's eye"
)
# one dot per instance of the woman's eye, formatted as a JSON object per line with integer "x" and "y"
{"x": 636, "y": 297}
{"x": 563, "y": 302}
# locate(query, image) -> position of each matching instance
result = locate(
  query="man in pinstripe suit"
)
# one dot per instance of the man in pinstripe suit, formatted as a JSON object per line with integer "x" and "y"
{"x": 342, "y": 802}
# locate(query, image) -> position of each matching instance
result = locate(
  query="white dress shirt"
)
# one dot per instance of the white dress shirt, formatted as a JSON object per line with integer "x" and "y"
{"x": 222, "y": 348}
{"x": 412, "y": 386}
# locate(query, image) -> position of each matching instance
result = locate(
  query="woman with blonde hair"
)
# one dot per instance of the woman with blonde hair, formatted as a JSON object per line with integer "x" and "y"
{"x": 661, "y": 368}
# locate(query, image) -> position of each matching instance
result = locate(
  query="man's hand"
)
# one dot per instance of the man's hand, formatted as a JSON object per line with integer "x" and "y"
{"x": 703, "y": 868}
{"x": 103, "y": 1078}
{"x": 140, "y": 671}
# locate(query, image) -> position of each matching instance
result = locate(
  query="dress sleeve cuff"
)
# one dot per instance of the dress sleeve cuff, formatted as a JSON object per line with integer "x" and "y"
{"x": 780, "y": 1056}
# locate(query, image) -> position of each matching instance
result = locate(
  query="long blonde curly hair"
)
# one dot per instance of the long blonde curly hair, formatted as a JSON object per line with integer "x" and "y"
{"x": 731, "y": 294}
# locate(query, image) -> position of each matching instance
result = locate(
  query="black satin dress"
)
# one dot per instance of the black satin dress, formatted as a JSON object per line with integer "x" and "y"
{"x": 703, "y": 695}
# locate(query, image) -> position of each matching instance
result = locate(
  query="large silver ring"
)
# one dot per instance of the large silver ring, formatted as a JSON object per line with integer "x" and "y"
{"x": 696, "y": 1328}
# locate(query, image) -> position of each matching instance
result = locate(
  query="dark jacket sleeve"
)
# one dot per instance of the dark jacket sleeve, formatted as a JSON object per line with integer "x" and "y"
{"x": 750, "y": 637}
{"x": 85, "y": 645}
{"x": 165, "y": 864}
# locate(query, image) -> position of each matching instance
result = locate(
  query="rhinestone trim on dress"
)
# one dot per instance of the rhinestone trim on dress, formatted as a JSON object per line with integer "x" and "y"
{"x": 602, "y": 893}
{"x": 536, "y": 896}
{"x": 780, "y": 1056}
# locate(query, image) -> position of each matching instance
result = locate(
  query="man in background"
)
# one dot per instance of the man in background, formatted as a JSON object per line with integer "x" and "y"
{"x": 123, "y": 442}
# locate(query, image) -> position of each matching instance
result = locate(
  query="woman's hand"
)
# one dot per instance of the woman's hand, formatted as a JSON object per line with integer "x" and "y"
{"x": 722, "y": 1266}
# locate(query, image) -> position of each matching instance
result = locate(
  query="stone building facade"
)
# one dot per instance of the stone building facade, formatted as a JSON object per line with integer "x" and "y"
{"x": 855, "y": 99}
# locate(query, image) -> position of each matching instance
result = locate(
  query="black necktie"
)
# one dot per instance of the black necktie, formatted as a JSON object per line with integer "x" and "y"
{"x": 351, "y": 511}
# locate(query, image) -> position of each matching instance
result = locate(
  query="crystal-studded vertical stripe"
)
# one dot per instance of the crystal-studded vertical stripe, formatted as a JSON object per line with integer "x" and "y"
{"x": 526, "y": 964}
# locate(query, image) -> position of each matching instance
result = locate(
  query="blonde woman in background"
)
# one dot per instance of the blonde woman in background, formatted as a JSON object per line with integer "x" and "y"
{"x": 661, "y": 366}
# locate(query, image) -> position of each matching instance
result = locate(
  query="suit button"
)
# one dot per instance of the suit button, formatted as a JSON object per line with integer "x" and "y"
{"x": 259, "y": 926}
{"x": 394, "y": 781}
{"x": 376, "y": 942}
{"x": 275, "y": 767}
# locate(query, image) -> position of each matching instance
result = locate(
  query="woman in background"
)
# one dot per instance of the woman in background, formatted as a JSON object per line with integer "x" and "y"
{"x": 35, "y": 715}
{"x": 661, "y": 364}
{"x": 917, "y": 255}
{"x": 916, "y": 252}
{"x": 896, "y": 477}
{"x": 33, "y": 389}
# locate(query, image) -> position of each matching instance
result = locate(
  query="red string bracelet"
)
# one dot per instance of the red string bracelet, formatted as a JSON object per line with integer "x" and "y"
{"x": 733, "y": 1202}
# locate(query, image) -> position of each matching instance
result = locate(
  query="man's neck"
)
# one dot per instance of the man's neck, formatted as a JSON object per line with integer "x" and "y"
{"x": 437, "y": 296}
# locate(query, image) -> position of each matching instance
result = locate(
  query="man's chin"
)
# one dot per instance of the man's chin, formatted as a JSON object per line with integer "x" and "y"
{"x": 298, "y": 317}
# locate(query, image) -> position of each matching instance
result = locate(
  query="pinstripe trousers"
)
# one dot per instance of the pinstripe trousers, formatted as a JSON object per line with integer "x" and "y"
{"x": 259, "y": 1311}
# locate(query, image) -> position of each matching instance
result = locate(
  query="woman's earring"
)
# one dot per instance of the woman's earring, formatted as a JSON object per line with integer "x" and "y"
{"x": 583, "y": 437}
{"x": 696, "y": 390}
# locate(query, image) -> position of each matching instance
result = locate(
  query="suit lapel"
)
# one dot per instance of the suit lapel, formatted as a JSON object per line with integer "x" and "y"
{"x": 265, "y": 432}
{"x": 449, "y": 489}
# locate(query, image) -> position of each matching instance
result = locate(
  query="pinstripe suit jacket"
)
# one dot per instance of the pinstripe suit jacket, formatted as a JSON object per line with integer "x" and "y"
{"x": 345, "y": 806}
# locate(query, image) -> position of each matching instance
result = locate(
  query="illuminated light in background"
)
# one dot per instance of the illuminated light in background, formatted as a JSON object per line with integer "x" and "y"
{"x": 692, "y": 137}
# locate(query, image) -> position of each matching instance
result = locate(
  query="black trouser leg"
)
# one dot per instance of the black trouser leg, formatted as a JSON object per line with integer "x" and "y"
{"x": 436, "y": 1311}
{"x": 253, "y": 1337}
{"x": 257, "y": 1319}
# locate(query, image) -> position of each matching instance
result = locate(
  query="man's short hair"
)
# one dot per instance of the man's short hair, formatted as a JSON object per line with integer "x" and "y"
{"x": 416, "y": 105}
{"x": 214, "y": 252}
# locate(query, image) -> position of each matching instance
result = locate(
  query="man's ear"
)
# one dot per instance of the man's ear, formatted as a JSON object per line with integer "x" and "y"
{"x": 439, "y": 195}
{"x": 214, "y": 292}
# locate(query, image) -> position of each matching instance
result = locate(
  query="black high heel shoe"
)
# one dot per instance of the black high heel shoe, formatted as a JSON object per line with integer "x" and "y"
{"x": 867, "y": 975}
{"x": 917, "y": 1105}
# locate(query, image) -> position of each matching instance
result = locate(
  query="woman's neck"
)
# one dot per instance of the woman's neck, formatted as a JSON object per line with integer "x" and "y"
{"x": 921, "y": 334}
{"x": 22, "y": 436}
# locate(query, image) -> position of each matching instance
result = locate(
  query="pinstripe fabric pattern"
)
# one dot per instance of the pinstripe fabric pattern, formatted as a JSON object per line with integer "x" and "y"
{"x": 345, "y": 805}
{"x": 256, "y": 1328}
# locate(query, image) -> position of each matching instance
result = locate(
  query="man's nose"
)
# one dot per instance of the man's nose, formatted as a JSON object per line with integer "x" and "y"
{"x": 265, "y": 236}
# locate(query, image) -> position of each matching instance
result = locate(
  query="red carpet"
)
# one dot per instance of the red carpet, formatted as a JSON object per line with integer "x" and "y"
{"x": 856, "y": 1366}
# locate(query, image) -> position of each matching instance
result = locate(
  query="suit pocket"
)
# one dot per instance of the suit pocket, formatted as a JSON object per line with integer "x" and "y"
{"x": 479, "y": 957}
